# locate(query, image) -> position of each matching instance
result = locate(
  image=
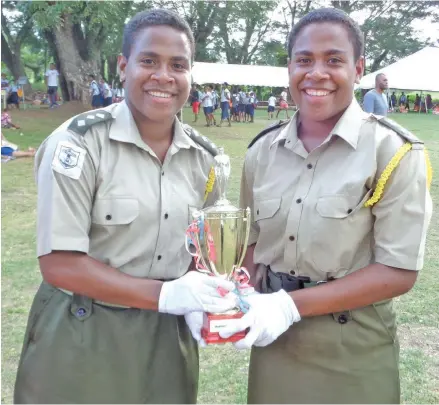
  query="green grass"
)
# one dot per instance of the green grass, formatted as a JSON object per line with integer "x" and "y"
{"x": 223, "y": 377}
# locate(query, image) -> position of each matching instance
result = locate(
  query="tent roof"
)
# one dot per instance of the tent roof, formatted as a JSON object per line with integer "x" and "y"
{"x": 244, "y": 75}
{"x": 418, "y": 71}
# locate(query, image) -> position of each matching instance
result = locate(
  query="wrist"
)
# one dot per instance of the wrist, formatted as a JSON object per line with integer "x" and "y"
{"x": 288, "y": 305}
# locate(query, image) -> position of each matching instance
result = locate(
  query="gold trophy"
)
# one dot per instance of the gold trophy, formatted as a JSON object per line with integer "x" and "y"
{"x": 218, "y": 236}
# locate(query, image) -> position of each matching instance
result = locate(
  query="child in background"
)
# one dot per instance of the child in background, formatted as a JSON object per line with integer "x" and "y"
{"x": 11, "y": 151}
{"x": 7, "y": 121}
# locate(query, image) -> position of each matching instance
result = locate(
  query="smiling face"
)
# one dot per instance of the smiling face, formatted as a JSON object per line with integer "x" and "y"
{"x": 157, "y": 73}
{"x": 323, "y": 71}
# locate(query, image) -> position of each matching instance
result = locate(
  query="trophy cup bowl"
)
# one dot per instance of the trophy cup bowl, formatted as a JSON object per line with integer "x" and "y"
{"x": 220, "y": 235}
{"x": 222, "y": 248}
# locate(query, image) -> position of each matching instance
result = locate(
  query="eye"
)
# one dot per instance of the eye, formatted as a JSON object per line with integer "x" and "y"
{"x": 147, "y": 61}
{"x": 303, "y": 61}
{"x": 179, "y": 66}
{"x": 334, "y": 61}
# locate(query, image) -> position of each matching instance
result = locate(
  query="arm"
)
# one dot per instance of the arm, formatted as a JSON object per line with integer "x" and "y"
{"x": 81, "y": 274}
{"x": 368, "y": 103}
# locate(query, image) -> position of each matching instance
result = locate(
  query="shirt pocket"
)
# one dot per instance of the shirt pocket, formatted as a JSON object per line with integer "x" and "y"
{"x": 115, "y": 211}
{"x": 267, "y": 216}
{"x": 341, "y": 227}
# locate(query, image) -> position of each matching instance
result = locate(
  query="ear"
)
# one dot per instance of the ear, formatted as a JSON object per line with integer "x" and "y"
{"x": 121, "y": 65}
{"x": 359, "y": 69}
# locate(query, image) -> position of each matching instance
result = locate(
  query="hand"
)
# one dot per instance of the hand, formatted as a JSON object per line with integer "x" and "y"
{"x": 196, "y": 292}
{"x": 269, "y": 316}
{"x": 194, "y": 321}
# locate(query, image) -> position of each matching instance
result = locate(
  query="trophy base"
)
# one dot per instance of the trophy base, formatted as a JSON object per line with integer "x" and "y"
{"x": 214, "y": 323}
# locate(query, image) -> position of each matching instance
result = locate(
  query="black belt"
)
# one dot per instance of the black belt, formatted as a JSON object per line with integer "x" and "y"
{"x": 287, "y": 282}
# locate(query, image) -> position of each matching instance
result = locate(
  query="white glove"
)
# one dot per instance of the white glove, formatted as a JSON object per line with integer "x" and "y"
{"x": 269, "y": 316}
{"x": 195, "y": 322}
{"x": 196, "y": 292}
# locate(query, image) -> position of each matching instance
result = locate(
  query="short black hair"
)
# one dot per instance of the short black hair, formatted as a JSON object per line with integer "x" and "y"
{"x": 151, "y": 18}
{"x": 329, "y": 15}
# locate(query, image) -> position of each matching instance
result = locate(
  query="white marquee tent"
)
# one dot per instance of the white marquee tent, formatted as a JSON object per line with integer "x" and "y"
{"x": 419, "y": 71}
{"x": 244, "y": 75}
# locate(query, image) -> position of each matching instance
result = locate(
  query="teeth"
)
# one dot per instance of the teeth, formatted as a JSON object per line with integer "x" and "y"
{"x": 318, "y": 93}
{"x": 158, "y": 94}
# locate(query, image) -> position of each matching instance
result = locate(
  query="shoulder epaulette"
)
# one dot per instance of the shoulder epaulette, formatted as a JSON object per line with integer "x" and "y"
{"x": 83, "y": 122}
{"x": 267, "y": 130}
{"x": 201, "y": 140}
{"x": 401, "y": 131}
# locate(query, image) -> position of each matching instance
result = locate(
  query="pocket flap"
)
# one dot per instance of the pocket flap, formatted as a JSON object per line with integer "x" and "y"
{"x": 340, "y": 206}
{"x": 115, "y": 211}
{"x": 266, "y": 208}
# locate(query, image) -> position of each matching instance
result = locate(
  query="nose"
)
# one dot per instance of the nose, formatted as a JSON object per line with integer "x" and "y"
{"x": 317, "y": 73}
{"x": 162, "y": 74}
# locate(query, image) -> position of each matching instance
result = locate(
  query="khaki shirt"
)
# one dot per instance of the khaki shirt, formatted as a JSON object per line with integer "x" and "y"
{"x": 308, "y": 213}
{"x": 113, "y": 199}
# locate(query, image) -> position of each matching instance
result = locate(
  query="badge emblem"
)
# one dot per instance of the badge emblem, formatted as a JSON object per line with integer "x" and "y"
{"x": 68, "y": 157}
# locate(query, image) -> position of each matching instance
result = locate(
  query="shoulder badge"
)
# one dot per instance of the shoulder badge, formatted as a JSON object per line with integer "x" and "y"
{"x": 201, "y": 140}
{"x": 401, "y": 131}
{"x": 268, "y": 130}
{"x": 83, "y": 122}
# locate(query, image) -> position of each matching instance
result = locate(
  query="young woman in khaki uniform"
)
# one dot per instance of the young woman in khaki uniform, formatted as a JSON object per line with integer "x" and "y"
{"x": 341, "y": 207}
{"x": 115, "y": 187}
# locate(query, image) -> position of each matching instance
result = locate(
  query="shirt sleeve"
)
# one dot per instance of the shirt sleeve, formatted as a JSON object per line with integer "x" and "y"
{"x": 65, "y": 176}
{"x": 246, "y": 199}
{"x": 403, "y": 214}
{"x": 368, "y": 103}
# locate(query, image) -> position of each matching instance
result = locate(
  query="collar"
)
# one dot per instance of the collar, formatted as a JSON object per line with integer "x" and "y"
{"x": 124, "y": 129}
{"x": 347, "y": 127}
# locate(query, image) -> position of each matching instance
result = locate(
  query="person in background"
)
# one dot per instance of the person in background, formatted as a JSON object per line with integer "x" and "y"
{"x": 393, "y": 101}
{"x": 271, "y": 106}
{"x": 251, "y": 106}
{"x": 283, "y": 103}
{"x": 241, "y": 106}
{"x": 11, "y": 151}
{"x": 5, "y": 81}
{"x": 13, "y": 95}
{"x": 207, "y": 101}
{"x": 195, "y": 101}
{"x": 402, "y": 99}
{"x": 51, "y": 80}
{"x": 107, "y": 93}
{"x": 7, "y": 120}
{"x": 429, "y": 102}
{"x": 375, "y": 100}
{"x": 95, "y": 92}
{"x": 225, "y": 106}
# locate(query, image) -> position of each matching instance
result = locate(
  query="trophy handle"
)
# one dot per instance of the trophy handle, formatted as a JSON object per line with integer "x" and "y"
{"x": 247, "y": 235}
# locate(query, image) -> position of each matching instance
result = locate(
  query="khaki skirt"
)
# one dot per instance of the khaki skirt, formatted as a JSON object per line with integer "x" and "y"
{"x": 349, "y": 357}
{"x": 76, "y": 351}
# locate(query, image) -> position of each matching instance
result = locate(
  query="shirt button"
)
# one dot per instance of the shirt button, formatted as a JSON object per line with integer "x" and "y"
{"x": 108, "y": 217}
{"x": 309, "y": 166}
{"x": 292, "y": 272}
{"x": 299, "y": 200}
{"x": 342, "y": 319}
{"x": 349, "y": 211}
{"x": 81, "y": 312}
{"x": 166, "y": 216}
{"x": 291, "y": 238}
{"x": 159, "y": 257}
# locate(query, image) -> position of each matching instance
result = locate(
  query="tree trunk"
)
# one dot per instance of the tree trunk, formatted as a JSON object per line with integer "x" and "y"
{"x": 112, "y": 67}
{"x": 74, "y": 69}
{"x": 14, "y": 64}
